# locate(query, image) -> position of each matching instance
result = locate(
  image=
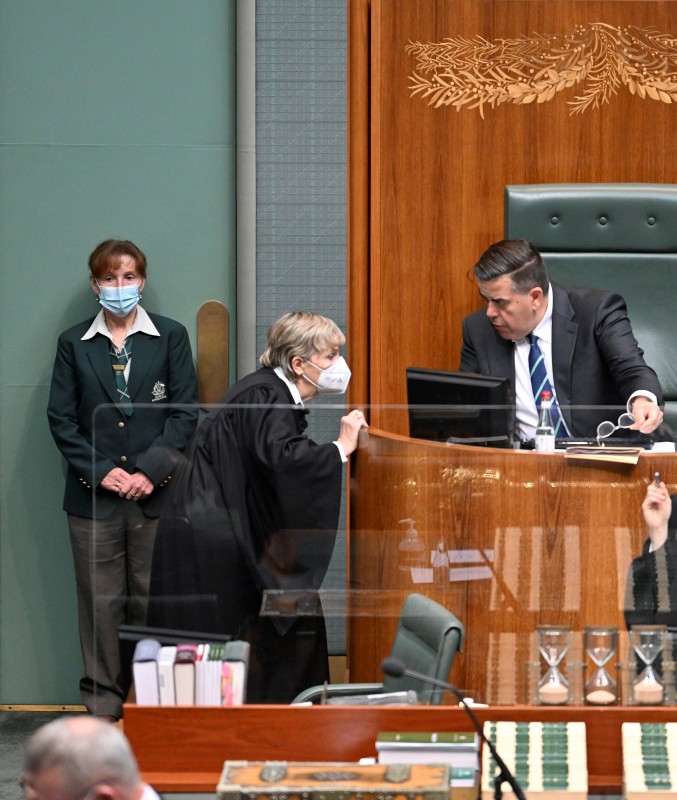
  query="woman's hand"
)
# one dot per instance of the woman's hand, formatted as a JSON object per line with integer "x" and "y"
{"x": 131, "y": 487}
{"x": 657, "y": 507}
{"x": 140, "y": 486}
{"x": 116, "y": 481}
{"x": 351, "y": 425}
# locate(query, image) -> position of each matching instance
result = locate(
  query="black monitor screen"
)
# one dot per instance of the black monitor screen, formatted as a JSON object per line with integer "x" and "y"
{"x": 460, "y": 407}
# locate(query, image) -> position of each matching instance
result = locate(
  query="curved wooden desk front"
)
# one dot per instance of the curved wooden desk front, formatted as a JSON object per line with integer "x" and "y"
{"x": 549, "y": 540}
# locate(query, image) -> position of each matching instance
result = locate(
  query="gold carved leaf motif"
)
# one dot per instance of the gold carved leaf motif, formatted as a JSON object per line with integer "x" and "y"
{"x": 477, "y": 73}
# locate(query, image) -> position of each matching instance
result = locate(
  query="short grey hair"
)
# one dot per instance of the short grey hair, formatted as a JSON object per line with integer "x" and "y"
{"x": 85, "y": 751}
{"x": 299, "y": 333}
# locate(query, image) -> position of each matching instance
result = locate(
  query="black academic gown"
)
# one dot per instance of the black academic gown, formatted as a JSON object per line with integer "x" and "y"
{"x": 651, "y": 592}
{"x": 255, "y": 507}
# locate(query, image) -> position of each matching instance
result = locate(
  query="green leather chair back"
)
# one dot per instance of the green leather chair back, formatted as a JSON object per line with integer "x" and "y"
{"x": 427, "y": 639}
{"x": 616, "y": 236}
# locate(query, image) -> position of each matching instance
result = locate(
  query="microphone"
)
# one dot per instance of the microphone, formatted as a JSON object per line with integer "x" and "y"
{"x": 397, "y": 669}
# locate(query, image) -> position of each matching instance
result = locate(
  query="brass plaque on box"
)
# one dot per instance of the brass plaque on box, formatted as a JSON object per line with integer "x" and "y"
{"x": 287, "y": 780}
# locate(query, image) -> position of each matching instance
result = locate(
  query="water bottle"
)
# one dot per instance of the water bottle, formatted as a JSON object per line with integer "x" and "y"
{"x": 545, "y": 432}
{"x": 441, "y": 564}
{"x": 411, "y": 548}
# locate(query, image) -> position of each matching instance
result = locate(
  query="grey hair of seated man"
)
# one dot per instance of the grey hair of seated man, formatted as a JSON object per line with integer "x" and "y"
{"x": 83, "y": 752}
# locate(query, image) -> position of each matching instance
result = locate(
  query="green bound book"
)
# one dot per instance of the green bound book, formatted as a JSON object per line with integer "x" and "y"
{"x": 444, "y": 739}
{"x": 649, "y": 750}
{"x": 548, "y": 759}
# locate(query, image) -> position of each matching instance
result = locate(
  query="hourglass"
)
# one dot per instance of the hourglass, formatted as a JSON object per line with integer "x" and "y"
{"x": 647, "y": 642}
{"x": 600, "y": 645}
{"x": 553, "y": 643}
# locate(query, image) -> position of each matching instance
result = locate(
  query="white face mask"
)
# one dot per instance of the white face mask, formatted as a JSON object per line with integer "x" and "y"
{"x": 334, "y": 379}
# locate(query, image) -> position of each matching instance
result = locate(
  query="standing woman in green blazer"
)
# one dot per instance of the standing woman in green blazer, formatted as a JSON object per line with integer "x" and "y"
{"x": 122, "y": 408}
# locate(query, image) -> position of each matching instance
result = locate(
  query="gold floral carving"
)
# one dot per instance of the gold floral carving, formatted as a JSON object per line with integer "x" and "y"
{"x": 476, "y": 73}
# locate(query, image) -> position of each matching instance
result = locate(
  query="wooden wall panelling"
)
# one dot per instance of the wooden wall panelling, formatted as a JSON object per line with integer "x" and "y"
{"x": 558, "y": 536}
{"x": 437, "y": 174}
{"x": 358, "y": 198}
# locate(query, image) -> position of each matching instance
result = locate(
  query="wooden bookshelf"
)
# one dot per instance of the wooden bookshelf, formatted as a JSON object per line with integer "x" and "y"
{"x": 182, "y": 749}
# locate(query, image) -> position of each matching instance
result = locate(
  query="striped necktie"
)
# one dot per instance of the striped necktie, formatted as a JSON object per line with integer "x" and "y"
{"x": 541, "y": 383}
{"x": 119, "y": 359}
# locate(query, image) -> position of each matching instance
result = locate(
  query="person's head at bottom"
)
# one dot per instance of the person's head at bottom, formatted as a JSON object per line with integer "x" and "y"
{"x": 80, "y": 758}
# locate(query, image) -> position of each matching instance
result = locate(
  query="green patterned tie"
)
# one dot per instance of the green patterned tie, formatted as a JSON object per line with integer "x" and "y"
{"x": 120, "y": 358}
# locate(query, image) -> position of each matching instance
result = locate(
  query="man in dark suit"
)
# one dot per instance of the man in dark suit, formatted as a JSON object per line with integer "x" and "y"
{"x": 122, "y": 409}
{"x": 592, "y": 358}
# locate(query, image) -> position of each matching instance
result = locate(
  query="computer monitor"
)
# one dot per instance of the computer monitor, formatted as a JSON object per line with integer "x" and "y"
{"x": 460, "y": 407}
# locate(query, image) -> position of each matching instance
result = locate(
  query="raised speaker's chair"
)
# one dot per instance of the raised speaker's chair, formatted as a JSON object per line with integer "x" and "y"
{"x": 427, "y": 639}
{"x": 616, "y": 236}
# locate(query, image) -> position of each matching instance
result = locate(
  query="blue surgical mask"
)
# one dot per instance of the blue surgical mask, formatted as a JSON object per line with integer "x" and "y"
{"x": 119, "y": 300}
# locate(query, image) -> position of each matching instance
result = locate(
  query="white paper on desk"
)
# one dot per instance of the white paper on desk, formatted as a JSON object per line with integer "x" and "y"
{"x": 662, "y": 447}
{"x": 456, "y": 574}
{"x": 421, "y": 574}
{"x": 470, "y": 556}
{"x": 473, "y": 556}
{"x": 470, "y": 574}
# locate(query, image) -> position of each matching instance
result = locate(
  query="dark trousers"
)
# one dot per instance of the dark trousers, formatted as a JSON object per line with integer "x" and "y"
{"x": 112, "y": 560}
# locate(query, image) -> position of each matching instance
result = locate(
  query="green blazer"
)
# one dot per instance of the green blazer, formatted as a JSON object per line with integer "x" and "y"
{"x": 91, "y": 430}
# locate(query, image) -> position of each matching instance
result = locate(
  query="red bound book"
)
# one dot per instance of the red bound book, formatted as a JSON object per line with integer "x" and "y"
{"x": 184, "y": 674}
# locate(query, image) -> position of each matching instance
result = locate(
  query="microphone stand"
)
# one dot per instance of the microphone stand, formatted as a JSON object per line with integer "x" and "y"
{"x": 396, "y": 668}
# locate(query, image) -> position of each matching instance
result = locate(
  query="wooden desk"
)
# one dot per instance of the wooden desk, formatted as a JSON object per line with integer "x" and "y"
{"x": 183, "y": 749}
{"x": 557, "y": 537}
{"x": 550, "y": 538}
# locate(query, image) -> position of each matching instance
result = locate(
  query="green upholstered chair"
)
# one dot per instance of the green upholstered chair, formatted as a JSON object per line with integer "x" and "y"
{"x": 427, "y": 639}
{"x": 616, "y": 236}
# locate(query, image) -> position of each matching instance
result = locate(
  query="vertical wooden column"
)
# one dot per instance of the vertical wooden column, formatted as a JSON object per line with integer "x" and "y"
{"x": 212, "y": 351}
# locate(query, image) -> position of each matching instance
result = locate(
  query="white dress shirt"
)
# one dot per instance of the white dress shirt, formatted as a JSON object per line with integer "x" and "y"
{"x": 142, "y": 324}
{"x": 527, "y": 414}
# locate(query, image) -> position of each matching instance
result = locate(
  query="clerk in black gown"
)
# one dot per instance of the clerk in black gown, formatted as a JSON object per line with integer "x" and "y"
{"x": 651, "y": 594}
{"x": 255, "y": 507}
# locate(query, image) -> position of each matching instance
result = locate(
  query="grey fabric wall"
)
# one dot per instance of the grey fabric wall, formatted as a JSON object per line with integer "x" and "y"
{"x": 301, "y": 48}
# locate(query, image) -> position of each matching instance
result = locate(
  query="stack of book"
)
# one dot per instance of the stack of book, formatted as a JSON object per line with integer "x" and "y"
{"x": 547, "y": 759}
{"x": 210, "y": 674}
{"x": 648, "y": 751}
{"x": 459, "y": 750}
